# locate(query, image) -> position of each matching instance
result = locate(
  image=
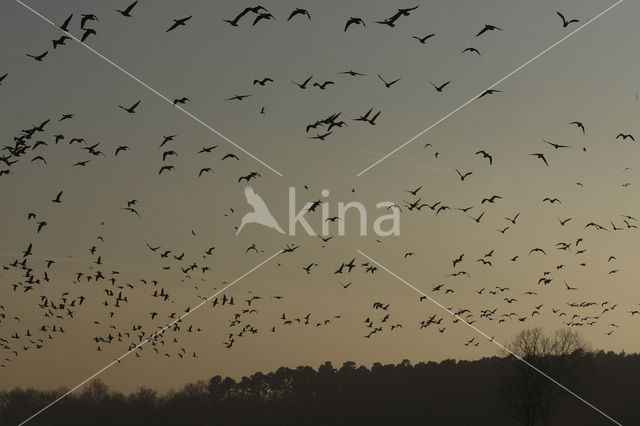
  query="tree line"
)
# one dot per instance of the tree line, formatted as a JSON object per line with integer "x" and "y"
{"x": 500, "y": 390}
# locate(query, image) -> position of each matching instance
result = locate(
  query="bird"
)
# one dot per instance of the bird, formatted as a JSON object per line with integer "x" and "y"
{"x": 552, "y": 200}
{"x": 486, "y": 28}
{"x": 389, "y": 84}
{"x": 414, "y": 191}
{"x": 513, "y": 220}
{"x": 127, "y": 11}
{"x": 121, "y": 148}
{"x": 262, "y": 16}
{"x": 353, "y": 21}
{"x": 579, "y": 125}
{"x": 441, "y": 87}
{"x": 166, "y": 139}
{"x": 463, "y": 176}
{"x": 263, "y": 81}
{"x": 58, "y": 198}
{"x": 625, "y": 136}
{"x": 563, "y": 222}
{"x": 237, "y": 97}
{"x": 61, "y": 41}
{"x": 132, "y": 108}
{"x": 87, "y": 33}
{"x": 303, "y": 85}
{"x": 65, "y": 26}
{"x": 207, "y": 149}
{"x": 254, "y": 9}
{"x": 566, "y": 23}
{"x": 323, "y": 85}
{"x": 477, "y": 219}
{"x": 39, "y": 57}
{"x": 485, "y": 155}
{"x": 488, "y": 92}
{"x": 424, "y": 39}
{"x": 541, "y": 156}
{"x": 230, "y": 156}
{"x": 298, "y": 11}
{"x": 248, "y": 177}
{"x": 372, "y": 120}
{"x": 555, "y": 145}
{"x": 87, "y": 17}
{"x": 260, "y": 213}
{"x": 321, "y": 137}
{"x": 166, "y": 168}
{"x": 471, "y": 49}
{"x": 352, "y": 73}
{"x": 181, "y": 101}
{"x": 491, "y": 199}
{"x": 178, "y": 22}
{"x": 205, "y": 170}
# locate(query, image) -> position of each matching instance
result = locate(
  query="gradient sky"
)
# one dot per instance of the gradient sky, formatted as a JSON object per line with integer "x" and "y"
{"x": 591, "y": 77}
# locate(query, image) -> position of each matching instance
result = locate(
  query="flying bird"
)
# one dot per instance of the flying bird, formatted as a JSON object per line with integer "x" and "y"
{"x": 178, "y": 22}
{"x": 424, "y": 39}
{"x": 354, "y": 21}
{"x": 488, "y": 28}
{"x": 132, "y": 108}
{"x": 39, "y": 57}
{"x": 579, "y": 125}
{"x": 541, "y": 156}
{"x": 262, "y": 16}
{"x": 299, "y": 11}
{"x": 389, "y": 84}
{"x": 127, "y": 11}
{"x": 485, "y": 155}
{"x": 440, "y": 87}
{"x": 65, "y": 26}
{"x": 471, "y": 49}
{"x": 566, "y": 23}
{"x": 303, "y": 85}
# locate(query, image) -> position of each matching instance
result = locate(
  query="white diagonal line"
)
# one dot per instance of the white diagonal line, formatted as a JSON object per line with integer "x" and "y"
{"x": 490, "y": 87}
{"x": 117, "y": 360}
{"x": 491, "y": 339}
{"x": 151, "y": 89}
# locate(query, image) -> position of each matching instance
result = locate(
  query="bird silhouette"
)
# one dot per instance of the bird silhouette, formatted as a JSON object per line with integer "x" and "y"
{"x": 127, "y": 12}
{"x": 424, "y": 39}
{"x": 178, "y": 22}
{"x": 486, "y": 28}
{"x": 471, "y": 49}
{"x": 132, "y": 108}
{"x": 440, "y": 87}
{"x": 304, "y": 84}
{"x": 389, "y": 84}
{"x": 298, "y": 11}
{"x": 353, "y": 21}
{"x": 260, "y": 213}
{"x": 566, "y": 23}
{"x": 39, "y": 57}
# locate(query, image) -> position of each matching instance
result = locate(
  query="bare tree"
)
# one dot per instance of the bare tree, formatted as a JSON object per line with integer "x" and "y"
{"x": 562, "y": 355}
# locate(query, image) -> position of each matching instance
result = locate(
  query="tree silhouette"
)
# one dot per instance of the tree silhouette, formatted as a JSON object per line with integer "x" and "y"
{"x": 562, "y": 356}
{"x": 446, "y": 393}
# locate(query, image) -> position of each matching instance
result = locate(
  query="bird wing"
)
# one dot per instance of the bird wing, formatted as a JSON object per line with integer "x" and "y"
{"x": 255, "y": 200}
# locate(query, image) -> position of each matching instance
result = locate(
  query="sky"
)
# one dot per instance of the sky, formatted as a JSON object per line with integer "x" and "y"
{"x": 590, "y": 77}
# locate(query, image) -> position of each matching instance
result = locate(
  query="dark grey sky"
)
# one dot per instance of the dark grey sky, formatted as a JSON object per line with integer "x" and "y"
{"x": 590, "y": 78}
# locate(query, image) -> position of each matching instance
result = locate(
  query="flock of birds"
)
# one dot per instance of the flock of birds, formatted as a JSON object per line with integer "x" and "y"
{"x": 105, "y": 286}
